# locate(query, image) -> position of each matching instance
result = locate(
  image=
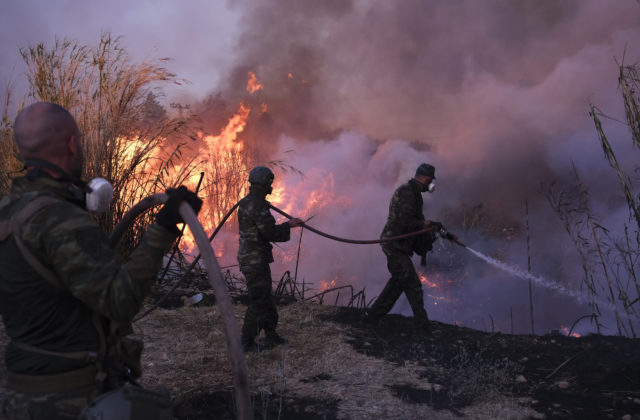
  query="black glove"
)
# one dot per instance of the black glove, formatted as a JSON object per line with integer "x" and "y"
{"x": 169, "y": 216}
{"x": 435, "y": 225}
{"x": 450, "y": 236}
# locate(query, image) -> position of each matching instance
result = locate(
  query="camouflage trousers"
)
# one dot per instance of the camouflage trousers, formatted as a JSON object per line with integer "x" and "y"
{"x": 261, "y": 311}
{"x": 53, "y": 406}
{"x": 403, "y": 279}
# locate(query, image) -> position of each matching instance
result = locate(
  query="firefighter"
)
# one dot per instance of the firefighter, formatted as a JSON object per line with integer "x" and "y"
{"x": 257, "y": 229}
{"x": 405, "y": 216}
{"x": 66, "y": 298}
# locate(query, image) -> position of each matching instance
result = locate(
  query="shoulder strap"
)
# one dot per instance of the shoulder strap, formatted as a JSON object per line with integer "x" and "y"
{"x": 12, "y": 226}
{"x": 88, "y": 356}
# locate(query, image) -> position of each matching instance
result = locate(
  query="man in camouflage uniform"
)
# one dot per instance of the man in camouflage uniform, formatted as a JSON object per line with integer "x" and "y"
{"x": 405, "y": 216}
{"x": 257, "y": 229}
{"x": 63, "y": 290}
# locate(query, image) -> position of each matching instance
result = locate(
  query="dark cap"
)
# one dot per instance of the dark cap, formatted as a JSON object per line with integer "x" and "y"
{"x": 426, "y": 170}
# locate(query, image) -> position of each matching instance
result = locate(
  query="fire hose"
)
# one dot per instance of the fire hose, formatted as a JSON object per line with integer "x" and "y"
{"x": 146, "y": 203}
{"x": 234, "y": 345}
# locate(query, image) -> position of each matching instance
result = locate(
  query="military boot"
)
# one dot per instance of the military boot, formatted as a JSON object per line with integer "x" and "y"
{"x": 272, "y": 339}
{"x": 248, "y": 344}
{"x": 370, "y": 318}
{"x": 422, "y": 326}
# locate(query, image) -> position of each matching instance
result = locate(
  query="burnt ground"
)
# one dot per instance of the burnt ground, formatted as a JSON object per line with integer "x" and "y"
{"x": 588, "y": 377}
{"x": 335, "y": 366}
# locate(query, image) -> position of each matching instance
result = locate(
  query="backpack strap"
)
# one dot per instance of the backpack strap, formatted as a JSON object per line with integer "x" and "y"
{"x": 95, "y": 373}
{"x": 12, "y": 227}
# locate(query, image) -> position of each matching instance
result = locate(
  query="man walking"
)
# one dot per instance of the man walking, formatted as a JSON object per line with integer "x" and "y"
{"x": 405, "y": 216}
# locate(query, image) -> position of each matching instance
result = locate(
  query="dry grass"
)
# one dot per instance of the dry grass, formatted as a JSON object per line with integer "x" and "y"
{"x": 186, "y": 352}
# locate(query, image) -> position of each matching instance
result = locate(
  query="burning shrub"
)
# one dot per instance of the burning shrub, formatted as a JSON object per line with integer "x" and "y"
{"x": 129, "y": 138}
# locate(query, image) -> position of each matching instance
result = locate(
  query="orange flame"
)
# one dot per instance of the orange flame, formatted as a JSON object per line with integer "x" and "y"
{"x": 327, "y": 284}
{"x": 253, "y": 84}
{"x": 221, "y": 149}
{"x": 424, "y": 280}
{"x": 565, "y": 330}
{"x": 227, "y": 138}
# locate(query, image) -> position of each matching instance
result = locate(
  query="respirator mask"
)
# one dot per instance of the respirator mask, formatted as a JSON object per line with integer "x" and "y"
{"x": 429, "y": 187}
{"x": 96, "y": 196}
{"x": 98, "y": 200}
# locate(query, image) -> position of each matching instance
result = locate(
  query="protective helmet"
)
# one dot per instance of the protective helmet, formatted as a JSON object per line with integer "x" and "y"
{"x": 261, "y": 175}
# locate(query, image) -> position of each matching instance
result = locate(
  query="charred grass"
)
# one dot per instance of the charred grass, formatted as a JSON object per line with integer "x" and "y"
{"x": 334, "y": 366}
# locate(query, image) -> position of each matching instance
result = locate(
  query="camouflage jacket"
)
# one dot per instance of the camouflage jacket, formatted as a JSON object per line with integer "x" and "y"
{"x": 258, "y": 228}
{"x": 66, "y": 241}
{"x": 405, "y": 216}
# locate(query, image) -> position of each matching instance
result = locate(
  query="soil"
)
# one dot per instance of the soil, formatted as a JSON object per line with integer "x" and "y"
{"x": 565, "y": 377}
{"x": 336, "y": 366}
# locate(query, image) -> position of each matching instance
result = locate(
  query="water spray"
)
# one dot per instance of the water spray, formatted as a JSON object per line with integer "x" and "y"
{"x": 518, "y": 272}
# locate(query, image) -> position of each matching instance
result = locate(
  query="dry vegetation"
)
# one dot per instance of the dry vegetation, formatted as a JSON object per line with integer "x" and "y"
{"x": 129, "y": 138}
{"x": 336, "y": 367}
{"x": 609, "y": 254}
{"x": 318, "y": 373}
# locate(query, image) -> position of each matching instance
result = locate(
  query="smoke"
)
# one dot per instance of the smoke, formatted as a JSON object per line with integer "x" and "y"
{"x": 495, "y": 94}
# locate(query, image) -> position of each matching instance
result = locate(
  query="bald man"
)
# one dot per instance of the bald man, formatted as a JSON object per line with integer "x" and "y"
{"x": 65, "y": 296}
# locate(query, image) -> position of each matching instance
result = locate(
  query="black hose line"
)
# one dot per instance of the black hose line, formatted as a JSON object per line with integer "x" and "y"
{"x": 235, "y": 351}
{"x": 223, "y": 300}
{"x": 355, "y": 241}
{"x": 148, "y": 202}
{"x": 188, "y": 270}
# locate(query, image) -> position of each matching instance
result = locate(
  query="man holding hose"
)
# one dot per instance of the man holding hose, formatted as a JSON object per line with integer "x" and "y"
{"x": 66, "y": 298}
{"x": 257, "y": 229}
{"x": 405, "y": 216}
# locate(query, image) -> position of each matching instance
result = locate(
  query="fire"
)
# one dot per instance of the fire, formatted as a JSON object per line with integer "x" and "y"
{"x": 224, "y": 162}
{"x": 327, "y": 284}
{"x": 253, "y": 84}
{"x": 424, "y": 280}
{"x": 565, "y": 330}
{"x": 227, "y": 139}
{"x": 278, "y": 196}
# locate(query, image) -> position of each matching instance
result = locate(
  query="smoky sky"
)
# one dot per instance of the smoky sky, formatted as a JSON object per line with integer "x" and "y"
{"x": 496, "y": 94}
{"x": 196, "y": 35}
{"x": 494, "y": 88}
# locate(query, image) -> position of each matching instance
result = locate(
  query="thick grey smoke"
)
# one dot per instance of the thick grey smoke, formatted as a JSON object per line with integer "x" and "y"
{"x": 495, "y": 94}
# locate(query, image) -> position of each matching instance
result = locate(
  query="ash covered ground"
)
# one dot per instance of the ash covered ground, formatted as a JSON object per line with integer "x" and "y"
{"x": 336, "y": 366}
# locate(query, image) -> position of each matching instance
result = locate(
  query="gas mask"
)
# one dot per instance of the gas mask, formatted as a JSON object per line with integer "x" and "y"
{"x": 98, "y": 200}
{"x": 429, "y": 187}
{"x": 96, "y": 196}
